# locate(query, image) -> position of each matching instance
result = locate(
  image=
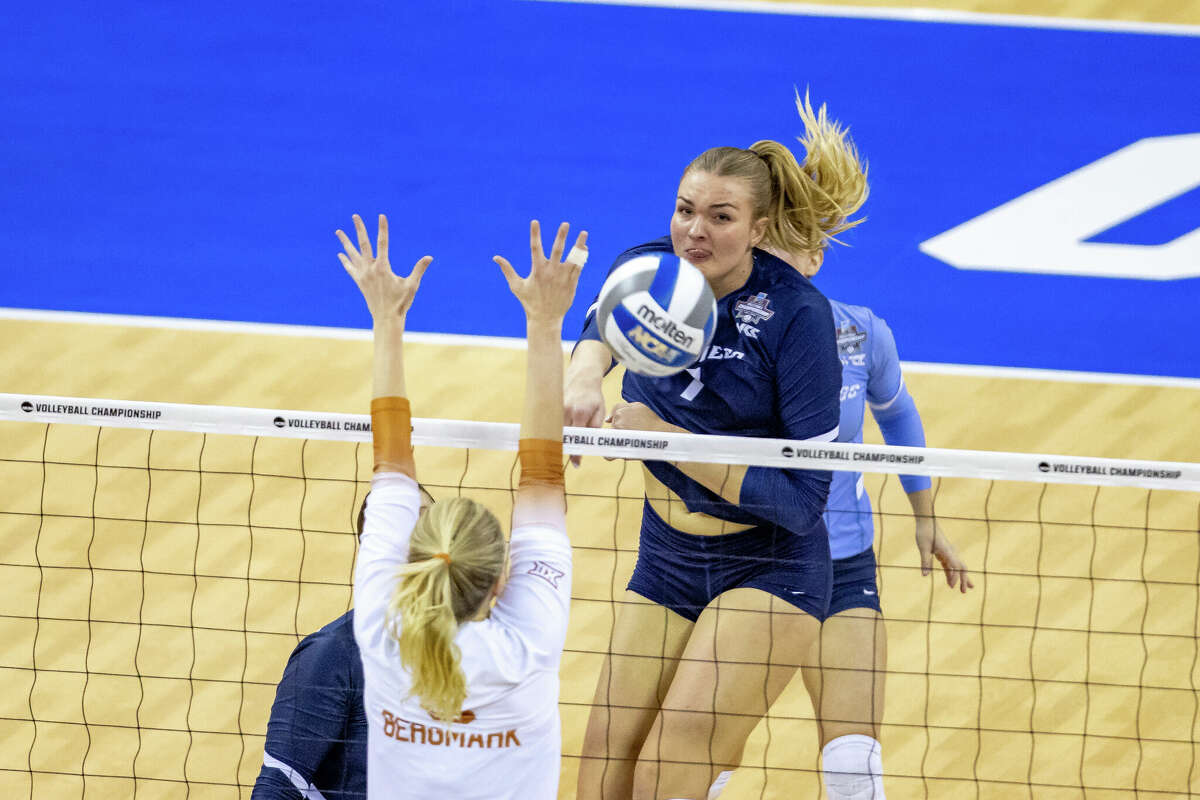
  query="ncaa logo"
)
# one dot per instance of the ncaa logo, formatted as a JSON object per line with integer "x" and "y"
{"x": 27, "y": 407}
{"x": 651, "y": 346}
{"x": 280, "y": 422}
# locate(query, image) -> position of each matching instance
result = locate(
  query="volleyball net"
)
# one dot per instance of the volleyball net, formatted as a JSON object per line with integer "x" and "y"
{"x": 159, "y": 562}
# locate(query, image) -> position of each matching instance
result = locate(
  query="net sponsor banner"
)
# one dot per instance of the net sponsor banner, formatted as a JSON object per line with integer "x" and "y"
{"x": 608, "y": 443}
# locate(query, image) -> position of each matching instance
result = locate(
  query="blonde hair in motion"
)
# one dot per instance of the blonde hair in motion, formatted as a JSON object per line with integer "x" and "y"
{"x": 806, "y": 204}
{"x": 435, "y": 595}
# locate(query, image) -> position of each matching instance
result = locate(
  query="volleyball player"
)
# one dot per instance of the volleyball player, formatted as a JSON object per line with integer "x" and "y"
{"x": 733, "y": 571}
{"x": 461, "y": 644}
{"x": 317, "y": 733}
{"x": 846, "y": 676}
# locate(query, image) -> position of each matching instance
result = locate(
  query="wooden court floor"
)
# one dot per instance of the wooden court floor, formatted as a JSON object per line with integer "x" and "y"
{"x": 1074, "y": 662}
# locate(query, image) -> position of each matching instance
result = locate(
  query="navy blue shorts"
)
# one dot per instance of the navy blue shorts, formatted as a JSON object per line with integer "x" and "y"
{"x": 684, "y": 572}
{"x": 854, "y": 583}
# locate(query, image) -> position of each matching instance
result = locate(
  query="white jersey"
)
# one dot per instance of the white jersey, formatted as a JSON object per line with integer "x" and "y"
{"x": 507, "y": 743}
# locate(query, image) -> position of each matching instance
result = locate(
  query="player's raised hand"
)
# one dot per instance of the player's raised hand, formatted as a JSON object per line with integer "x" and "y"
{"x": 932, "y": 543}
{"x": 388, "y": 295}
{"x": 550, "y": 288}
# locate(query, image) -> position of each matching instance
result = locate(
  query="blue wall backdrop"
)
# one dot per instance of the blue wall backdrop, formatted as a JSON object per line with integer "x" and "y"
{"x": 193, "y": 160}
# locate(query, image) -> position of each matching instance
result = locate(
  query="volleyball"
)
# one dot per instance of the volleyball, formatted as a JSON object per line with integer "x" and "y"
{"x": 657, "y": 314}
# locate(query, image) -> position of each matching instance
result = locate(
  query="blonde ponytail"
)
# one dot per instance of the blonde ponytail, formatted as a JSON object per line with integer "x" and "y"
{"x": 806, "y": 204}
{"x": 811, "y": 203}
{"x": 456, "y": 555}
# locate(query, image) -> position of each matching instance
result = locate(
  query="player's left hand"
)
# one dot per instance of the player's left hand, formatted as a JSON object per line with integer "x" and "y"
{"x": 388, "y": 295}
{"x": 932, "y": 543}
{"x": 638, "y": 417}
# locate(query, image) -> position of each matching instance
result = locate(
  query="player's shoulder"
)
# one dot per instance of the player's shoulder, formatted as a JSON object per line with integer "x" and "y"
{"x": 863, "y": 316}
{"x": 655, "y": 246}
{"x": 777, "y": 288}
{"x": 784, "y": 279}
{"x": 336, "y": 637}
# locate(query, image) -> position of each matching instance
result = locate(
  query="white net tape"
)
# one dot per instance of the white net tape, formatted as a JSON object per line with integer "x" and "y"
{"x": 930, "y": 461}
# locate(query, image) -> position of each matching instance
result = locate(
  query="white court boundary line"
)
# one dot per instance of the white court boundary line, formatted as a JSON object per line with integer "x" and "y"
{"x": 511, "y": 343}
{"x": 932, "y": 15}
{"x": 638, "y": 445}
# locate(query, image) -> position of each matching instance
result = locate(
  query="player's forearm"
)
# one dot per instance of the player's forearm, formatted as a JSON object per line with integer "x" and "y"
{"x": 922, "y": 503}
{"x": 543, "y": 414}
{"x": 391, "y": 418}
{"x": 389, "y": 358}
{"x": 590, "y": 362}
{"x": 790, "y": 498}
{"x": 724, "y": 480}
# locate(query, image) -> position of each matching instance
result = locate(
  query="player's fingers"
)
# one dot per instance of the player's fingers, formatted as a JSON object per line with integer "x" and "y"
{"x": 560, "y": 241}
{"x": 578, "y": 254}
{"x": 349, "y": 266}
{"x": 364, "y": 241}
{"x": 926, "y": 551}
{"x": 535, "y": 243}
{"x": 418, "y": 269}
{"x": 382, "y": 244}
{"x": 345, "y": 240}
{"x": 509, "y": 273}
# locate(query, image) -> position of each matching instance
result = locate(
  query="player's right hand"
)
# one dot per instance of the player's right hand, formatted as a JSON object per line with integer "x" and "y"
{"x": 388, "y": 295}
{"x": 931, "y": 544}
{"x": 583, "y": 405}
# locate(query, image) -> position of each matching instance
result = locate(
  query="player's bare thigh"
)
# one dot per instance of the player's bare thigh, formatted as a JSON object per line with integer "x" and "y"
{"x": 743, "y": 651}
{"x": 846, "y": 673}
{"x": 647, "y": 641}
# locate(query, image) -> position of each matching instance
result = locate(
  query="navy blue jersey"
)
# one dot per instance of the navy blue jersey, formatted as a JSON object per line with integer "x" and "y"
{"x": 317, "y": 736}
{"x": 772, "y": 370}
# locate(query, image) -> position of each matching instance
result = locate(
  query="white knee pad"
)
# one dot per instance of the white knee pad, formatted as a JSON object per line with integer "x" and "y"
{"x": 852, "y": 767}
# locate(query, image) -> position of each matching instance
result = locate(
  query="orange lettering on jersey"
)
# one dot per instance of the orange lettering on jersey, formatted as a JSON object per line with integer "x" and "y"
{"x": 403, "y": 730}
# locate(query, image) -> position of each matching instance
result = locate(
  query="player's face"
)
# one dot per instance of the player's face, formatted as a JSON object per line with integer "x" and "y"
{"x": 714, "y": 228}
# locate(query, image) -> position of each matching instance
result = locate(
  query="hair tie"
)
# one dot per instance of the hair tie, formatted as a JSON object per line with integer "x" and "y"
{"x": 444, "y": 557}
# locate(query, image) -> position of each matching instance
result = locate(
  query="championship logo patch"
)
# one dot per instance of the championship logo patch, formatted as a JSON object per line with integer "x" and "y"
{"x": 850, "y": 338}
{"x": 754, "y": 309}
{"x": 546, "y": 572}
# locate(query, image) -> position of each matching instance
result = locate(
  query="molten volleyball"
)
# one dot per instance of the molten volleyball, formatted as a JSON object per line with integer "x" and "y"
{"x": 657, "y": 313}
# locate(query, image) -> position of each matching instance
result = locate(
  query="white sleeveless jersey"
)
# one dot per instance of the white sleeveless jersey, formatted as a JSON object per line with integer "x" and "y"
{"x": 507, "y": 743}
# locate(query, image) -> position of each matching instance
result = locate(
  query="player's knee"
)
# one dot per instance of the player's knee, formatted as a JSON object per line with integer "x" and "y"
{"x": 852, "y": 767}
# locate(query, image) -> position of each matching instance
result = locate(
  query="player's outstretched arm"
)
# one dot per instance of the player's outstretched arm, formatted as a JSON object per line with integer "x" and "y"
{"x": 388, "y": 298}
{"x": 584, "y": 400}
{"x": 546, "y": 295}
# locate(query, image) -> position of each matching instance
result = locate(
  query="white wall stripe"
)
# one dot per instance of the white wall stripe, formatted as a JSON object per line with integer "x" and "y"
{"x": 514, "y": 343}
{"x": 933, "y": 15}
{"x": 637, "y": 445}
{"x": 1059, "y": 375}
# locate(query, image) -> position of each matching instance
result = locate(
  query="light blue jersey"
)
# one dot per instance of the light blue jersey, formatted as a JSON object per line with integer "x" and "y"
{"x": 870, "y": 375}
